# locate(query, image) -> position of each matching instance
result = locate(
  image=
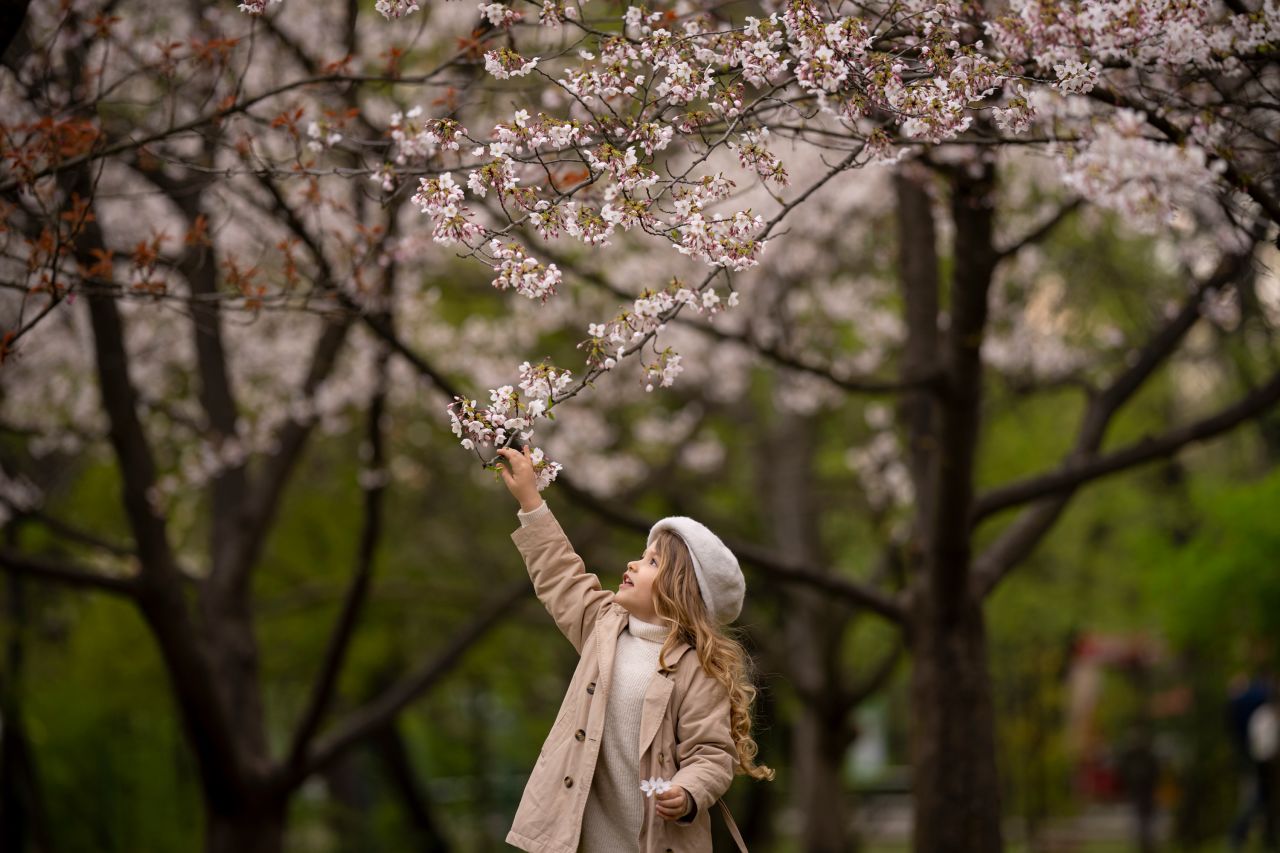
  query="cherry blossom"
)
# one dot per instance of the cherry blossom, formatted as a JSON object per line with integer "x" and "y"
{"x": 522, "y": 272}
{"x": 655, "y": 785}
{"x": 504, "y": 63}
{"x": 392, "y": 9}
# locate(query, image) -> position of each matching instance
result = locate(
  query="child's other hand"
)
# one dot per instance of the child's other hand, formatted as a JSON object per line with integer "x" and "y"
{"x": 673, "y": 803}
{"x": 519, "y": 477}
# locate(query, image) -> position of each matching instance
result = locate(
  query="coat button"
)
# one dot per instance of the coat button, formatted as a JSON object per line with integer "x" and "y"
{"x": 662, "y": 759}
{"x": 580, "y": 734}
{"x": 591, "y": 688}
{"x": 568, "y": 781}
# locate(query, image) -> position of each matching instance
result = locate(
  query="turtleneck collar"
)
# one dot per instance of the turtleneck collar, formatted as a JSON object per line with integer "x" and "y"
{"x": 647, "y": 630}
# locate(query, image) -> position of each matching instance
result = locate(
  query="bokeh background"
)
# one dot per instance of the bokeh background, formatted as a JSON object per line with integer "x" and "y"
{"x": 320, "y": 518}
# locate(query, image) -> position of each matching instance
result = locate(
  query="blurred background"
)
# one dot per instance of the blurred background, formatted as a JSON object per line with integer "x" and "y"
{"x": 255, "y": 597}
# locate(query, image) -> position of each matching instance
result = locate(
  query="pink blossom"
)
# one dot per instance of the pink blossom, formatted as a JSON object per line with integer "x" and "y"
{"x": 392, "y": 9}
{"x": 521, "y": 272}
{"x": 504, "y": 63}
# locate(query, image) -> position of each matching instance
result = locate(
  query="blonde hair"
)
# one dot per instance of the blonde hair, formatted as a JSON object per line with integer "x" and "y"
{"x": 678, "y": 600}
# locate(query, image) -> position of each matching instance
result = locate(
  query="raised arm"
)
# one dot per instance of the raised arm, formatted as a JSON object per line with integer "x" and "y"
{"x": 572, "y": 595}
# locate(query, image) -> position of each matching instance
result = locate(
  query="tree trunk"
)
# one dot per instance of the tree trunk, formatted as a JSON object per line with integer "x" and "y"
{"x": 818, "y": 752}
{"x": 257, "y": 831}
{"x": 812, "y": 631}
{"x": 957, "y": 803}
{"x": 955, "y": 780}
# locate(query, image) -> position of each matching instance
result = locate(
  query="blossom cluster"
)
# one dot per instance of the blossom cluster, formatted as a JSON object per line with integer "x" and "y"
{"x": 440, "y": 198}
{"x": 505, "y": 63}
{"x": 509, "y": 417}
{"x": 753, "y": 153}
{"x": 521, "y": 272}
{"x": 499, "y": 14}
{"x": 255, "y": 7}
{"x": 612, "y": 340}
{"x": 655, "y": 785}
{"x": 392, "y": 9}
{"x": 1120, "y": 167}
{"x": 416, "y": 141}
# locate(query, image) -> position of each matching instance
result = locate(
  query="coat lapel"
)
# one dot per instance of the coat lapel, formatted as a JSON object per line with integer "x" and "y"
{"x": 656, "y": 697}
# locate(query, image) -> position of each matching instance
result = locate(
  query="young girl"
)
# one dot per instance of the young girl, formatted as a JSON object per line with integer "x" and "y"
{"x": 639, "y": 709}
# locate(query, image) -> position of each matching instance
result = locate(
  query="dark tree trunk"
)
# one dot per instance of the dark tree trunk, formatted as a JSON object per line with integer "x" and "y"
{"x": 955, "y": 781}
{"x": 257, "y": 831}
{"x": 957, "y": 803}
{"x": 813, "y": 628}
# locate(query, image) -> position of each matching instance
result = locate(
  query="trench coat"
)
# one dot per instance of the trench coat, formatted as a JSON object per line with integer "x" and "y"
{"x": 685, "y": 734}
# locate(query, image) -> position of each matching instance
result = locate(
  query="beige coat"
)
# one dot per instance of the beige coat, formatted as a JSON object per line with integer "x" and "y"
{"x": 684, "y": 723}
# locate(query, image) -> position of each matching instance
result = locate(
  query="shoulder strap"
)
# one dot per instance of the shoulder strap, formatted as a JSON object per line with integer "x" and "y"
{"x": 733, "y": 827}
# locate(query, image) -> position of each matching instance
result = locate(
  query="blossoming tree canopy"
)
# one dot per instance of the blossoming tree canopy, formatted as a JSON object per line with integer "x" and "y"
{"x": 636, "y": 91}
{"x": 521, "y": 130}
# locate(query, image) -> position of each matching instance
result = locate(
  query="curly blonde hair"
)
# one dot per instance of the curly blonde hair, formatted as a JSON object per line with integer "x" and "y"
{"x": 677, "y": 600}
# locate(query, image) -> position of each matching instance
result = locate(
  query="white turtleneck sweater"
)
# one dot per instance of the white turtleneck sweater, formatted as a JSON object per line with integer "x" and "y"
{"x": 615, "y": 803}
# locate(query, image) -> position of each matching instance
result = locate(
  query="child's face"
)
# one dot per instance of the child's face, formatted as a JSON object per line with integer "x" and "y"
{"x": 635, "y": 592}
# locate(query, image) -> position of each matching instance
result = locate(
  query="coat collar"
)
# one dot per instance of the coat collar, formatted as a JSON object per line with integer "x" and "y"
{"x": 621, "y": 614}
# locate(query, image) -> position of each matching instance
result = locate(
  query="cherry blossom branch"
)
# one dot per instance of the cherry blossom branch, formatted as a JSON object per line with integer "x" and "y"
{"x": 853, "y": 384}
{"x": 470, "y": 427}
{"x": 1177, "y": 136}
{"x": 240, "y": 107}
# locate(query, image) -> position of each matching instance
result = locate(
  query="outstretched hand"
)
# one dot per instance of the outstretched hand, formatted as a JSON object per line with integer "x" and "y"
{"x": 519, "y": 477}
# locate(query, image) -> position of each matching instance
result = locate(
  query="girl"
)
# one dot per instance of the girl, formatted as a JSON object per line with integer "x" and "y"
{"x": 638, "y": 709}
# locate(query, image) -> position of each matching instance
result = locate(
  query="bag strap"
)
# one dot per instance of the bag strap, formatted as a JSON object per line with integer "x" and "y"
{"x": 733, "y": 827}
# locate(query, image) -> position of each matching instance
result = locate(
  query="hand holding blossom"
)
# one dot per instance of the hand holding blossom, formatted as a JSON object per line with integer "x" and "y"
{"x": 672, "y": 801}
{"x": 520, "y": 478}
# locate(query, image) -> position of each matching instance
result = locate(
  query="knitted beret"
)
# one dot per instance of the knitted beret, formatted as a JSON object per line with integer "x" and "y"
{"x": 719, "y": 577}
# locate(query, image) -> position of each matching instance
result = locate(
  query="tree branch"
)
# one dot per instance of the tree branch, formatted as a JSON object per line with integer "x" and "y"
{"x": 1175, "y": 135}
{"x": 1021, "y": 537}
{"x": 878, "y": 677}
{"x": 852, "y": 384}
{"x": 362, "y": 578}
{"x": 71, "y": 533}
{"x": 1072, "y": 475}
{"x": 775, "y": 566}
{"x": 383, "y": 710}
{"x": 65, "y": 573}
{"x": 228, "y": 488}
{"x": 1041, "y": 231}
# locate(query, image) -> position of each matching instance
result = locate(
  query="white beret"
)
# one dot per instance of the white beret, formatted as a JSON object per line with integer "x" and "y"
{"x": 719, "y": 577}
